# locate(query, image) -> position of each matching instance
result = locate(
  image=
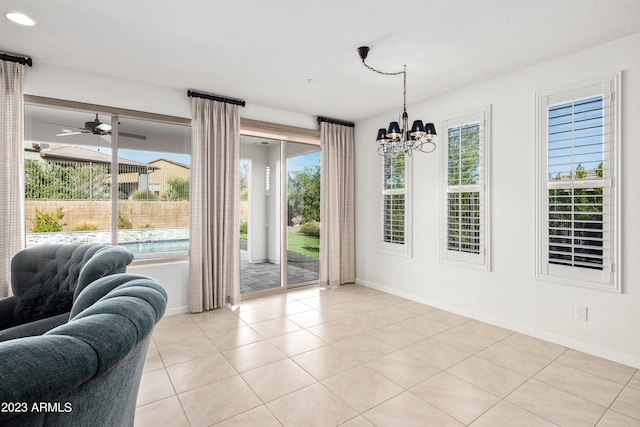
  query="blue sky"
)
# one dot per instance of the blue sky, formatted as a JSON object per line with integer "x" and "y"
{"x": 294, "y": 163}
{"x": 575, "y": 136}
{"x": 300, "y": 162}
{"x": 147, "y": 156}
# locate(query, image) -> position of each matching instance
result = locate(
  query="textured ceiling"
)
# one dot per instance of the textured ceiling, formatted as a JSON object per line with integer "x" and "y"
{"x": 267, "y": 51}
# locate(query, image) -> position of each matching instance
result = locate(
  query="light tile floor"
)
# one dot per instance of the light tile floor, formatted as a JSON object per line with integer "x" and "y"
{"x": 354, "y": 356}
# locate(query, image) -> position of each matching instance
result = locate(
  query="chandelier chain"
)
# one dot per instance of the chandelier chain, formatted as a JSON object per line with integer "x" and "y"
{"x": 405, "y": 89}
{"x": 385, "y": 73}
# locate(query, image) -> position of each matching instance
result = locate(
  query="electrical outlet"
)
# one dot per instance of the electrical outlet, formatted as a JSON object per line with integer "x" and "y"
{"x": 580, "y": 313}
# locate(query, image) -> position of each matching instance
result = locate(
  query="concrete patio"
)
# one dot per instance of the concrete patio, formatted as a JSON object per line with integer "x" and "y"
{"x": 266, "y": 275}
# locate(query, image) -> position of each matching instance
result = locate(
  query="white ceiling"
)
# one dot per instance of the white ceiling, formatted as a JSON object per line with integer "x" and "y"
{"x": 266, "y": 51}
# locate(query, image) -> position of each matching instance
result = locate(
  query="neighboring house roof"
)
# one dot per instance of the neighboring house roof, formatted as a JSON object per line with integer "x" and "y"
{"x": 79, "y": 154}
{"x": 162, "y": 159}
{"x": 588, "y": 174}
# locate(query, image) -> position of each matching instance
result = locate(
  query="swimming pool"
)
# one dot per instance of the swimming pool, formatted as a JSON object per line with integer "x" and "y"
{"x": 138, "y": 241}
{"x": 156, "y": 246}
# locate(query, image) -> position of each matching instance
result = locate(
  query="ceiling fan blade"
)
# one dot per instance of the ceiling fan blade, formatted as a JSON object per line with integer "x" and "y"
{"x": 61, "y": 124}
{"x": 69, "y": 133}
{"x": 97, "y": 128}
{"x": 103, "y": 127}
{"x": 132, "y": 135}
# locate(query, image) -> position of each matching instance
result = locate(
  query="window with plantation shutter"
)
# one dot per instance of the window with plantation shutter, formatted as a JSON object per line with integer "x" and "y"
{"x": 465, "y": 206}
{"x": 395, "y": 201}
{"x": 577, "y": 195}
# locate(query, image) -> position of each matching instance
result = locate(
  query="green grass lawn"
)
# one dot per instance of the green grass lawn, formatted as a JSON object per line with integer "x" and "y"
{"x": 304, "y": 244}
{"x": 301, "y": 243}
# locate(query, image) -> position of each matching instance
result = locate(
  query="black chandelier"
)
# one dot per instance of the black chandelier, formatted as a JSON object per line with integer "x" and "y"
{"x": 394, "y": 140}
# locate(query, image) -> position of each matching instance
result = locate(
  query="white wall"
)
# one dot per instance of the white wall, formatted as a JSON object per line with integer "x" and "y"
{"x": 257, "y": 241}
{"x": 274, "y": 228}
{"x": 67, "y": 83}
{"x": 174, "y": 276}
{"x": 508, "y": 295}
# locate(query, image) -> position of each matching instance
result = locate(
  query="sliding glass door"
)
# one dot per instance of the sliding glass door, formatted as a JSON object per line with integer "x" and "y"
{"x": 279, "y": 214}
{"x": 303, "y": 213}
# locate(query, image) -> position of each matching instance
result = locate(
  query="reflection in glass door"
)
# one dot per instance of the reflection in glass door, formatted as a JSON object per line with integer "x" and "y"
{"x": 260, "y": 214}
{"x": 303, "y": 213}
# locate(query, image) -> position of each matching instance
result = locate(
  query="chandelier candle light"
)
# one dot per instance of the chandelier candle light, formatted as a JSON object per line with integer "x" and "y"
{"x": 402, "y": 140}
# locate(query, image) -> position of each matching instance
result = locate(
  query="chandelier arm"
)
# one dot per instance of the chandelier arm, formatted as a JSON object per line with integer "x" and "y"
{"x": 431, "y": 143}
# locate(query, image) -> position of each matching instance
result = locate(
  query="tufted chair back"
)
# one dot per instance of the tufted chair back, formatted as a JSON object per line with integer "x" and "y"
{"x": 47, "y": 279}
{"x": 58, "y": 265}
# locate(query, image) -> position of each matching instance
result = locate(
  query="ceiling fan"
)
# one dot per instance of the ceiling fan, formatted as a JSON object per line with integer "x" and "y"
{"x": 96, "y": 127}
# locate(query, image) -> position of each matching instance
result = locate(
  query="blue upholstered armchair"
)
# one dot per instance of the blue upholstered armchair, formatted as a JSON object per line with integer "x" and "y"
{"x": 47, "y": 279}
{"x": 87, "y": 371}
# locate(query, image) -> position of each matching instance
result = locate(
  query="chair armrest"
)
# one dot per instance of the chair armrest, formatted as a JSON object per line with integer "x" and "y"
{"x": 107, "y": 261}
{"x": 42, "y": 369}
{"x": 37, "y": 327}
{"x": 7, "y": 305}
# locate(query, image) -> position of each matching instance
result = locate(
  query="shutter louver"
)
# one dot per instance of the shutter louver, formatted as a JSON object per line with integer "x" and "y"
{"x": 577, "y": 184}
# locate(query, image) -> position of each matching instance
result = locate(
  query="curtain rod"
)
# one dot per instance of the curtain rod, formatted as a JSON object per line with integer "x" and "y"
{"x": 21, "y": 59}
{"x": 213, "y": 97}
{"x": 335, "y": 121}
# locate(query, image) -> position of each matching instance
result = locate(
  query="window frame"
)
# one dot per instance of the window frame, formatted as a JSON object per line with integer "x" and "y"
{"x": 404, "y": 249}
{"x": 607, "y": 279}
{"x": 116, "y": 113}
{"x": 481, "y": 260}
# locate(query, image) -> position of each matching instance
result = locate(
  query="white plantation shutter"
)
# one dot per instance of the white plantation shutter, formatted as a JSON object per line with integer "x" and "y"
{"x": 575, "y": 162}
{"x": 465, "y": 211}
{"x": 393, "y": 216}
{"x": 577, "y": 218}
{"x": 395, "y": 201}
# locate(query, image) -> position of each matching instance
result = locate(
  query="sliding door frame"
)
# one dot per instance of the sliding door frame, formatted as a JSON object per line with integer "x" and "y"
{"x": 284, "y": 134}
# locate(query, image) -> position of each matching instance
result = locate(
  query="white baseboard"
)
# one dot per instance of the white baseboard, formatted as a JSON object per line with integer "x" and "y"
{"x": 613, "y": 356}
{"x": 176, "y": 310}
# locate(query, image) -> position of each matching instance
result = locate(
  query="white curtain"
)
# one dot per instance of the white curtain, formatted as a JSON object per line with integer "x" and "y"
{"x": 214, "y": 241}
{"x": 12, "y": 175}
{"x": 337, "y": 232}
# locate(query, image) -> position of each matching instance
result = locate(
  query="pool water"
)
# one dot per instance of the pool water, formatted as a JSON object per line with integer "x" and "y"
{"x": 156, "y": 246}
{"x": 138, "y": 241}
